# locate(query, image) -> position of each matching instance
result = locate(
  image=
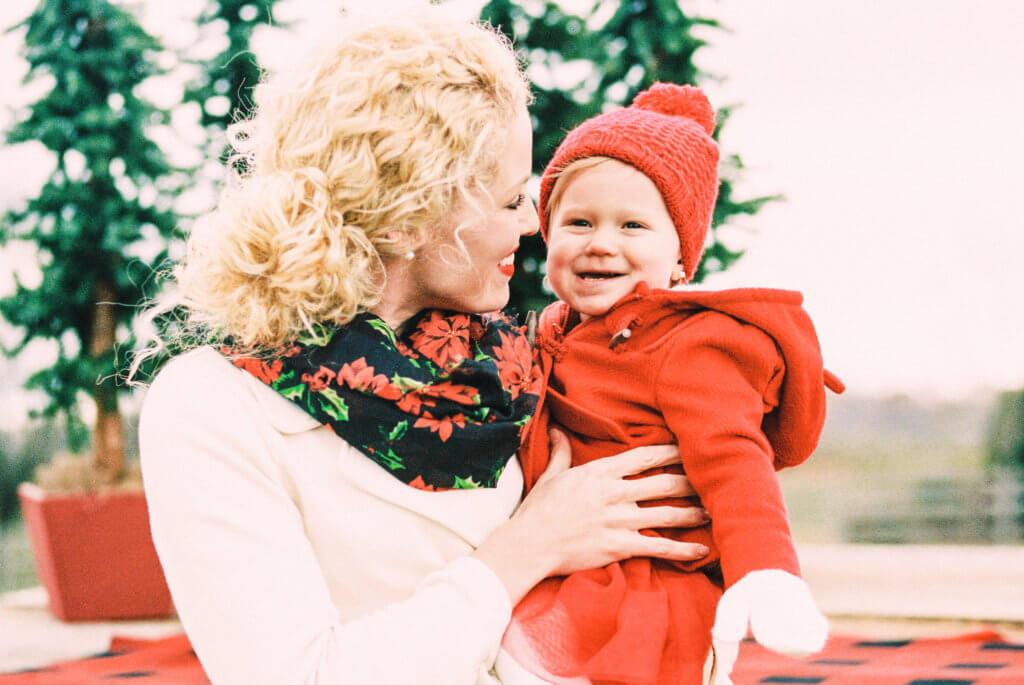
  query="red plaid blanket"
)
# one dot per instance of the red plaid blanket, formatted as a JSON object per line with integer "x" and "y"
{"x": 981, "y": 658}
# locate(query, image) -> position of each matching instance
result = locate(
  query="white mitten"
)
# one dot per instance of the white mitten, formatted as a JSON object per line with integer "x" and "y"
{"x": 780, "y": 610}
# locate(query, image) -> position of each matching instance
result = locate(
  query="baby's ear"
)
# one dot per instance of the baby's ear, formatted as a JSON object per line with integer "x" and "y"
{"x": 678, "y": 276}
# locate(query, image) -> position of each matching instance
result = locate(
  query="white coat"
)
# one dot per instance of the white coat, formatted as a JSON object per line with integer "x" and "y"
{"x": 293, "y": 558}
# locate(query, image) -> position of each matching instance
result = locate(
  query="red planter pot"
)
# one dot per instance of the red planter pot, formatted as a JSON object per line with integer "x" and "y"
{"x": 95, "y": 555}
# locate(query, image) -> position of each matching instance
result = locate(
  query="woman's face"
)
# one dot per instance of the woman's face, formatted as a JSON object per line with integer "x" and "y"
{"x": 474, "y": 276}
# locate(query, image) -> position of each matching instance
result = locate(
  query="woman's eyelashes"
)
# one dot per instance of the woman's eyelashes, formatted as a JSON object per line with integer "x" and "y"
{"x": 517, "y": 203}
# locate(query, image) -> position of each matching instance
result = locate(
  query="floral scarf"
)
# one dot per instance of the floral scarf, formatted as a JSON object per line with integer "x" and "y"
{"x": 441, "y": 406}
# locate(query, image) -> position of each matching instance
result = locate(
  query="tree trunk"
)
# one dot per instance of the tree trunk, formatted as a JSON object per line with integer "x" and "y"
{"x": 108, "y": 436}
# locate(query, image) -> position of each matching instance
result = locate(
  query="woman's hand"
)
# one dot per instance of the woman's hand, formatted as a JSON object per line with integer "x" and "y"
{"x": 588, "y": 516}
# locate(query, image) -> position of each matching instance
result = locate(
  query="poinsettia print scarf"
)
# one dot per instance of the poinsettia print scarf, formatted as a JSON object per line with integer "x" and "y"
{"x": 441, "y": 406}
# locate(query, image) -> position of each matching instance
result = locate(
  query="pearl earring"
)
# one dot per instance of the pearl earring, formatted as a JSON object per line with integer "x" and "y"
{"x": 410, "y": 255}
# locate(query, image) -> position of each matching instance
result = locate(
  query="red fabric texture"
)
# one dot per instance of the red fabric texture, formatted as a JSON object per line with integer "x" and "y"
{"x": 168, "y": 661}
{"x": 735, "y": 379}
{"x": 666, "y": 134}
{"x": 981, "y": 658}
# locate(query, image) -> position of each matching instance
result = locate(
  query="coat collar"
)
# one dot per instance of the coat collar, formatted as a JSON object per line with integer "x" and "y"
{"x": 284, "y": 416}
{"x": 626, "y": 313}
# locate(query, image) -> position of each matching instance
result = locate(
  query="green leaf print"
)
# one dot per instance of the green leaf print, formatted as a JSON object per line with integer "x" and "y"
{"x": 293, "y": 392}
{"x": 398, "y": 431}
{"x": 466, "y": 483}
{"x": 406, "y": 384}
{"x": 334, "y": 405}
{"x": 383, "y": 329}
{"x": 387, "y": 457}
{"x": 319, "y": 336}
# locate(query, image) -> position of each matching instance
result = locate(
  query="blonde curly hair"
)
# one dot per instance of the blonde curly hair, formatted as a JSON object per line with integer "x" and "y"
{"x": 374, "y": 138}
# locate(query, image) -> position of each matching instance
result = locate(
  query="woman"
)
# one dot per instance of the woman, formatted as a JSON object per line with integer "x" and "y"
{"x": 331, "y": 481}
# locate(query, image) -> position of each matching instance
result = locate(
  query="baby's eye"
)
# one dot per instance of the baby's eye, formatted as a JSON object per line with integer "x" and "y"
{"x": 517, "y": 203}
{"x": 633, "y": 224}
{"x": 577, "y": 222}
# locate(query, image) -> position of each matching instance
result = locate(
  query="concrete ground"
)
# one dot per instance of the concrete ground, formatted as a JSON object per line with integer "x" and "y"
{"x": 875, "y": 591}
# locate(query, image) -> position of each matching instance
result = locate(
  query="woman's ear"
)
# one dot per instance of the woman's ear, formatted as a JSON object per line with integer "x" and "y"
{"x": 402, "y": 244}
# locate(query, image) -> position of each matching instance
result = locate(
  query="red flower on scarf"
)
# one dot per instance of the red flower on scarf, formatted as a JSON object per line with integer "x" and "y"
{"x": 413, "y": 403}
{"x": 515, "y": 363}
{"x": 268, "y": 372}
{"x": 418, "y": 483}
{"x": 443, "y": 426}
{"x": 460, "y": 394}
{"x": 319, "y": 380}
{"x": 361, "y": 376}
{"x": 442, "y": 339}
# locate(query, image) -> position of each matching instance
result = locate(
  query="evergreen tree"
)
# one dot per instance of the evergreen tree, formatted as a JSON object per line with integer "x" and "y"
{"x": 102, "y": 220}
{"x": 618, "y": 50}
{"x": 1006, "y": 433}
{"x": 1005, "y": 461}
{"x": 224, "y": 87}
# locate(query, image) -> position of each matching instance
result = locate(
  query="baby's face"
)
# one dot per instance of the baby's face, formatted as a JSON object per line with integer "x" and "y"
{"x": 610, "y": 231}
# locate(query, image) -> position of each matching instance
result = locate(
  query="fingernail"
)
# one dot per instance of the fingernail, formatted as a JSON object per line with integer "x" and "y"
{"x": 702, "y": 550}
{"x": 705, "y": 517}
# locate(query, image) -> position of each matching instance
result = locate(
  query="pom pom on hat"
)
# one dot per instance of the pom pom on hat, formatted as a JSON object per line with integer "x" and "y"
{"x": 678, "y": 101}
{"x": 666, "y": 135}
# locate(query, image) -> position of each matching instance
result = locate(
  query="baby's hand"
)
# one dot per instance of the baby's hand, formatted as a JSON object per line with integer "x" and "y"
{"x": 780, "y": 609}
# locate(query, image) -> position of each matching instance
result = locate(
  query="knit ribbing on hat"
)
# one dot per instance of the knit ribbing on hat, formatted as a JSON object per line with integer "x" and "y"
{"x": 665, "y": 134}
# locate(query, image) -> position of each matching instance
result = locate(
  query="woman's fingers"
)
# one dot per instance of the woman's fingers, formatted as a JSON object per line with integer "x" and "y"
{"x": 658, "y": 486}
{"x": 664, "y": 548}
{"x": 639, "y": 459}
{"x": 670, "y": 517}
{"x": 590, "y": 515}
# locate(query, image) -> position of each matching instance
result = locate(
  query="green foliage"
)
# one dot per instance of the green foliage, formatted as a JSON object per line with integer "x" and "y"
{"x": 107, "y": 198}
{"x": 234, "y": 72}
{"x": 1006, "y": 434}
{"x": 12, "y": 472}
{"x": 619, "y": 49}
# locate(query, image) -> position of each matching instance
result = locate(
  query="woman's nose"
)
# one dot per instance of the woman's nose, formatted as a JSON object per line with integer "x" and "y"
{"x": 530, "y": 219}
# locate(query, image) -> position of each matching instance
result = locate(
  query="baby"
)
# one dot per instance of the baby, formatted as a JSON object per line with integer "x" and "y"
{"x": 733, "y": 377}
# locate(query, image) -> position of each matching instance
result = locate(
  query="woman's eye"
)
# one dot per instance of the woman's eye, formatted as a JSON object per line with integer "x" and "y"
{"x": 518, "y": 202}
{"x": 577, "y": 222}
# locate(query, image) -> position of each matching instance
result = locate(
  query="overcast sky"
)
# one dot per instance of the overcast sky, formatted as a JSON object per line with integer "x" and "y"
{"x": 894, "y": 129}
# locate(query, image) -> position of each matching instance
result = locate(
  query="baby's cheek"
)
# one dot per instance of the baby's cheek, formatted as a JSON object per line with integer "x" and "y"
{"x": 557, "y": 268}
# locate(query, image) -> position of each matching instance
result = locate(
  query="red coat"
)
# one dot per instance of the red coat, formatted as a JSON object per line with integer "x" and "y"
{"x": 735, "y": 379}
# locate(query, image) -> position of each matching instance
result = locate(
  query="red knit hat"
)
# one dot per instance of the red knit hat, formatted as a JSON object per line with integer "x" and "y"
{"x": 666, "y": 134}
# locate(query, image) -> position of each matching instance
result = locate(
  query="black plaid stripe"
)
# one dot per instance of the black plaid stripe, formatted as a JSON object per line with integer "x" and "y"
{"x": 131, "y": 674}
{"x": 839, "y": 662}
{"x": 1002, "y": 647}
{"x": 890, "y": 644}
